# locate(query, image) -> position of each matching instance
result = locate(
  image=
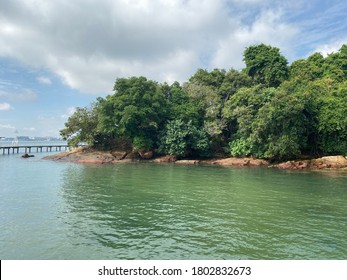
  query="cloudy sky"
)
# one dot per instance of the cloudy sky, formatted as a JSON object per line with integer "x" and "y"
{"x": 60, "y": 54}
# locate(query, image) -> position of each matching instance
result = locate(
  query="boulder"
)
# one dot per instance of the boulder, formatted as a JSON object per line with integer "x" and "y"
{"x": 187, "y": 161}
{"x": 165, "y": 159}
{"x": 119, "y": 155}
{"x": 302, "y": 164}
{"x": 330, "y": 162}
{"x": 258, "y": 162}
{"x": 27, "y": 156}
{"x": 240, "y": 162}
{"x": 91, "y": 160}
{"x": 294, "y": 165}
{"x": 132, "y": 155}
{"x": 285, "y": 165}
{"x": 318, "y": 163}
{"x": 146, "y": 154}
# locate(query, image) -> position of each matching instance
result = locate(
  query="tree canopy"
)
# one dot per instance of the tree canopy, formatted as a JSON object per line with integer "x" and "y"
{"x": 265, "y": 65}
{"x": 268, "y": 110}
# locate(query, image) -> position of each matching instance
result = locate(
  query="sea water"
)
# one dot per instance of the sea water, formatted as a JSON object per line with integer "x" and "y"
{"x": 57, "y": 210}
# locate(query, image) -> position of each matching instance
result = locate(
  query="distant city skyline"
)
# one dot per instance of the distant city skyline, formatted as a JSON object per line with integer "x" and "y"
{"x": 24, "y": 137}
{"x": 59, "y": 55}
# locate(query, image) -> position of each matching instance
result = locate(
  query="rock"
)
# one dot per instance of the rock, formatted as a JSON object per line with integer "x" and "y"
{"x": 302, "y": 165}
{"x": 240, "y": 162}
{"x": 334, "y": 162}
{"x": 146, "y": 154}
{"x": 294, "y": 165}
{"x": 231, "y": 161}
{"x": 132, "y": 155}
{"x": 119, "y": 155}
{"x": 91, "y": 160}
{"x": 89, "y": 155}
{"x": 165, "y": 159}
{"x": 27, "y": 156}
{"x": 330, "y": 162}
{"x": 285, "y": 165}
{"x": 187, "y": 161}
{"x": 258, "y": 162}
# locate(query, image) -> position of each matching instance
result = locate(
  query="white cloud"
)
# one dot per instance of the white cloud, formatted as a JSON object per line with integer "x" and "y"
{"x": 322, "y": 26}
{"x": 7, "y": 126}
{"x": 30, "y": 129}
{"x": 68, "y": 112}
{"x": 5, "y": 106}
{"x": 49, "y": 125}
{"x": 16, "y": 92}
{"x": 268, "y": 28}
{"x": 24, "y": 95}
{"x": 44, "y": 80}
{"x": 89, "y": 43}
{"x": 249, "y": 2}
{"x": 331, "y": 47}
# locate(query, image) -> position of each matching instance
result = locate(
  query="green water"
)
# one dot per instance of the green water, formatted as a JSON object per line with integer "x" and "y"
{"x": 51, "y": 210}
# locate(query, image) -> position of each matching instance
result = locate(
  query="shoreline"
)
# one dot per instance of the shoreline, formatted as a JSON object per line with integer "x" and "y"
{"x": 86, "y": 155}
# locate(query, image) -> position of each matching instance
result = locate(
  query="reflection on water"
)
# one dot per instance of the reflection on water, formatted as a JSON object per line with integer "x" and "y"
{"x": 51, "y": 210}
{"x": 148, "y": 211}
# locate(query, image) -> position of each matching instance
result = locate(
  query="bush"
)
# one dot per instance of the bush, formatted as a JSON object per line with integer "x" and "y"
{"x": 240, "y": 147}
{"x": 184, "y": 139}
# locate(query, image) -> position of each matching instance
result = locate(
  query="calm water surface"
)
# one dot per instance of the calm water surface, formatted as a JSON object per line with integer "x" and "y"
{"x": 52, "y": 210}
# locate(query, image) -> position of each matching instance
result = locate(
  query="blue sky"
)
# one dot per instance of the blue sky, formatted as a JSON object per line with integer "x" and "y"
{"x": 61, "y": 54}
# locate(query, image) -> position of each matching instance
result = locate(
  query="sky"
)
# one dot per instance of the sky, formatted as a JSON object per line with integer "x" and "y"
{"x": 61, "y": 54}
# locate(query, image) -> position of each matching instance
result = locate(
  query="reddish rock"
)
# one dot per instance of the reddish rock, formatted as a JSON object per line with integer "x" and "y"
{"x": 88, "y": 155}
{"x": 91, "y": 160}
{"x": 258, "y": 162}
{"x": 285, "y": 165}
{"x": 302, "y": 165}
{"x": 330, "y": 162}
{"x": 146, "y": 154}
{"x": 240, "y": 162}
{"x": 119, "y": 155}
{"x": 133, "y": 155}
{"x": 187, "y": 161}
{"x": 165, "y": 159}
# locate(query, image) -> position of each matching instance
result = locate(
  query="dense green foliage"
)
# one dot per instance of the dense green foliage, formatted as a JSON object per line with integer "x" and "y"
{"x": 184, "y": 139}
{"x": 268, "y": 110}
{"x": 81, "y": 126}
{"x": 265, "y": 65}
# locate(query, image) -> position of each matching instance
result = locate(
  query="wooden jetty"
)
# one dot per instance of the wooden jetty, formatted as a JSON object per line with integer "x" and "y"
{"x": 31, "y": 148}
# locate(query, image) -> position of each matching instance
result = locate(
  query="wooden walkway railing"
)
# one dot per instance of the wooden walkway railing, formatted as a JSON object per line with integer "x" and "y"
{"x": 29, "y": 149}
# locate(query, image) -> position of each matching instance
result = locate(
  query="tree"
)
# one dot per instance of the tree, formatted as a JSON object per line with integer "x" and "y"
{"x": 265, "y": 65}
{"x": 184, "y": 139}
{"x": 307, "y": 70}
{"x": 180, "y": 105}
{"x": 233, "y": 81}
{"x": 212, "y": 79}
{"x": 209, "y": 105}
{"x": 240, "y": 112}
{"x": 332, "y": 127}
{"x": 81, "y": 126}
{"x": 335, "y": 65}
{"x": 278, "y": 131}
{"x": 137, "y": 111}
{"x": 242, "y": 108}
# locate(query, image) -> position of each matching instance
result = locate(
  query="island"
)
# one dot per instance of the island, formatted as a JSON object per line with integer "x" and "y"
{"x": 269, "y": 113}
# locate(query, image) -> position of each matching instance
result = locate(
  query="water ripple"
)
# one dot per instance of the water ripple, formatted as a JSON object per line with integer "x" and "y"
{"x": 148, "y": 211}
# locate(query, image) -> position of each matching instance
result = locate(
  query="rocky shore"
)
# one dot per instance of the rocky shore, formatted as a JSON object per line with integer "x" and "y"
{"x": 91, "y": 156}
{"x": 329, "y": 162}
{"x": 88, "y": 155}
